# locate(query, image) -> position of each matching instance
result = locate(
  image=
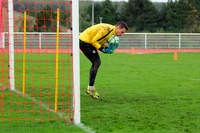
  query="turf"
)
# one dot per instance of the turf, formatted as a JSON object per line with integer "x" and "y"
{"x": 143, "y": 93}
{"x": 147, "y": 93}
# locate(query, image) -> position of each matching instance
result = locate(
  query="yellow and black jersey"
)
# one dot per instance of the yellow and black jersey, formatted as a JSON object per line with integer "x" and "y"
{"x": 98, "y": 35}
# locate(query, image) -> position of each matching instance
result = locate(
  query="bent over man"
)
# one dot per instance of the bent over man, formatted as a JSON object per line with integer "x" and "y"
{"x": 95, "y": 38}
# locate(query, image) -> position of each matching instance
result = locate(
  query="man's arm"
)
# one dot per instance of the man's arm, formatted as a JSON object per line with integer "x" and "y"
{"x": 95, "y": 42}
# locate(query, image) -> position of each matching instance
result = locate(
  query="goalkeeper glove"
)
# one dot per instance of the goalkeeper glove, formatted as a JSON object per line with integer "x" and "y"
{"x": 113, "y": 46}
{"x": 106, "y": 50}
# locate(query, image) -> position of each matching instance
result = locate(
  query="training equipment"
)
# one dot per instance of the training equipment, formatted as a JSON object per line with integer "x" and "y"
{"x": 113, "y": 40}
{"x": 133, "y": 51}
{"x": 175, "y": 56}
{"x": 39, "y": 63}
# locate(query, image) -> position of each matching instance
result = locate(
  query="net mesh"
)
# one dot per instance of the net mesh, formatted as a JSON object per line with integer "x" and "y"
{"x": 42, "y": 62}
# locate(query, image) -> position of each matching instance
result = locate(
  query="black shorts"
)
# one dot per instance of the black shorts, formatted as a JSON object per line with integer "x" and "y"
{"x": 89, "y": 51}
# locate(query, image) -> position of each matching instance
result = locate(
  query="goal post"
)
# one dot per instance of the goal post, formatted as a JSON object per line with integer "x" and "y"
{"x": 11, "y": 44}
{"x": 40, "y": 61}
{"x": 76, "y": 60}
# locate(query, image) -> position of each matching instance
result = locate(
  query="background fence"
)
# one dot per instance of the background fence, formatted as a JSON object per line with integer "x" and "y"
{"x": 36, "y": 40}
{"x": 129, "y": 40}
{"x": 160, "y": 40}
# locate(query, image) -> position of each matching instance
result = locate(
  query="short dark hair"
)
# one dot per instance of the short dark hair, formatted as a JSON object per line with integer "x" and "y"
{"x": 122, "y": 24}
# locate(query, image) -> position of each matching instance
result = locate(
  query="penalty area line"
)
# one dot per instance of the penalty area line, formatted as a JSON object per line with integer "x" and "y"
{"x": 81, "y": 125}
{"x": 85, "y": 128}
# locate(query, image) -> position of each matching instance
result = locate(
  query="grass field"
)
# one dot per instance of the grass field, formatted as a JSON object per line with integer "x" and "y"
{"x": 143, "y": 93}
{"x": 148, "y": 93}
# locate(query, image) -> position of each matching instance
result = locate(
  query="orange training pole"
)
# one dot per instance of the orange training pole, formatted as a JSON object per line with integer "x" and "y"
{"x": 24, "y": 57}
{"x": 57, "y": 53}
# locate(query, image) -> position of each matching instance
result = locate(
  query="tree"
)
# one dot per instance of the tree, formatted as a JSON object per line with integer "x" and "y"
{"x": 180, "y": 16}
{"x": 85, "y": 19}
{"x": 108, "y": 12}
{"x": 97, "y": 11}
{"x": 44, "y": 20}
{"x": 196, "y": 4}
{"x": 105, "y": 9}
{"x": 141, "y": 14}
{"x": 18, "y": 6}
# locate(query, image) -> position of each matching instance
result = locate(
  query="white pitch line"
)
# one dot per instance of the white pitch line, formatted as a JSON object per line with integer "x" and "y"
{"x": 85, "y": 128}
{"x": 81, "y": 125}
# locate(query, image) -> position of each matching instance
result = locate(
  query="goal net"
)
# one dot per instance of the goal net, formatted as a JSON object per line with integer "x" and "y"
{"x": 37, "y": 61}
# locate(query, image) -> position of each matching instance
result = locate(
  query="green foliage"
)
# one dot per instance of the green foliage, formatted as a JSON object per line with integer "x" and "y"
{"x": 97, "y": 12}
{"x": 44, "y": 20}
{"x": 180, "y": 16}
{"x": 45, "y": 14}
{"x": 108, "y": 12}
{"x": 105, "y": 9}
{"x": 65, "y": 18}
{"x": 145, "y": 16}
{"x": 84, "y": 17}
{"x": 196, "y": 4}
{"x": 141, "y": 15}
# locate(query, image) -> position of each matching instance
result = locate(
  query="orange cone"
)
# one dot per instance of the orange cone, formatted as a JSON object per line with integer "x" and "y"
{"x": 133, "y": 51}
{"x": 175, "y": 56}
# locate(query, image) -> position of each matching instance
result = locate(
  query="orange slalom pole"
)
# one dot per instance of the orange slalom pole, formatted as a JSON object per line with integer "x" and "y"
{"x": 57, "y": 53}
{"x": 24, "y": 57}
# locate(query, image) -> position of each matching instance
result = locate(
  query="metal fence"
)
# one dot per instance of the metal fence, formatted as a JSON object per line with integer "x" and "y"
{"x": 128, "y": 40}
{"x": 160, "y": 40}
{"x": 41, "y": 40}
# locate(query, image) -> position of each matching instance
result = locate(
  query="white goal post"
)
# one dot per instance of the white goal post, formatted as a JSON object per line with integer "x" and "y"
{"x": 11, "y": 44}
{"x": 76, "y": 60}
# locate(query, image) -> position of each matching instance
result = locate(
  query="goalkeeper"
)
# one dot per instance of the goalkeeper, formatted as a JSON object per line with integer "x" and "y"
{"x": 95, "y": 38}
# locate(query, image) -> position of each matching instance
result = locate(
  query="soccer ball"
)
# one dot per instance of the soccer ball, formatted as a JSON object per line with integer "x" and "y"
{"x": 113, "y": 40}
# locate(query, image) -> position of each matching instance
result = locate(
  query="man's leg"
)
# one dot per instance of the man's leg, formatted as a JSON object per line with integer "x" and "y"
{"x": 91, "y": 53}
{"x": 93, "y": 70}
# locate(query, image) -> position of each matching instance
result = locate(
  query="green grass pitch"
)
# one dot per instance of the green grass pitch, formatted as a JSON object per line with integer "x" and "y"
{"x": 143, "y": 93}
